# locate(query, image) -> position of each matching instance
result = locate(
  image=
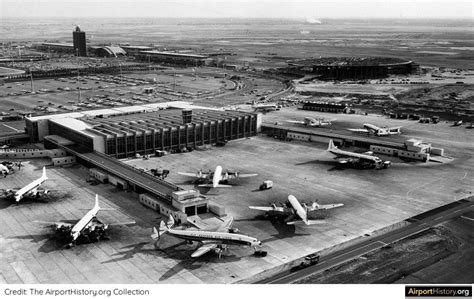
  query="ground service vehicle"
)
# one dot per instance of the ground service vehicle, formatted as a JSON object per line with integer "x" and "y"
{"x": 266, "y": 185}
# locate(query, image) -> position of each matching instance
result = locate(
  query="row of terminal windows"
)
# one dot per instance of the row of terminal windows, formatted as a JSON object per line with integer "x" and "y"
{"x": 175, "y": 137}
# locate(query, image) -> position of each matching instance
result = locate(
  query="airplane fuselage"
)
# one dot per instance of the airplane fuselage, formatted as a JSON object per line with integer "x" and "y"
{"x": 30, "y": 187}
{"x": 341, "y": 153}
{"x": 81, "y": 224}
{"x": 217, "y": 177}
{"x": 381, "y": 131}
{"x": 218, "y": 237}
{"x": 311, "y": 122}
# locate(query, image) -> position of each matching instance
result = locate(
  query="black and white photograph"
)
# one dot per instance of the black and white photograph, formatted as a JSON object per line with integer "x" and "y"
{"x": 176, "y": 142}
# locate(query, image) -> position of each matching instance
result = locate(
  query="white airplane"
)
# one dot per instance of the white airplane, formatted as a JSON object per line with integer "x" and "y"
{"x": 216, "y": 240}
{"x": 4, "y": 170}
{"x": 87, "y": 228}
{"x": 217, "y": 176}
{"x": 295, "y": 211}
{"x": 377, "y": 131}
{"x": 312, "y": 122}
{"x": 32, "y": 188}
{"x": 350, "y": 158}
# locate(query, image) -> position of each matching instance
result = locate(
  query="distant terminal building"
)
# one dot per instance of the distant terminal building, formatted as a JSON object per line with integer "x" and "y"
{"x": 79, "y": 42}
{"x": 127, "y": 131}
{"x": 67, "y": 48}
{"x": 326, "y": 107}
{"x": 173, "y": 58}
{"x": 135, "y": 50}
{"x": 6, "y": 72}
{"x": 342, "y": 68}
{"x": 107, "y": 51}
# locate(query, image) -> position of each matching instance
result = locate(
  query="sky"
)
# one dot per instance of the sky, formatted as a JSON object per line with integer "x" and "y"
{"x": 239, "y": 8}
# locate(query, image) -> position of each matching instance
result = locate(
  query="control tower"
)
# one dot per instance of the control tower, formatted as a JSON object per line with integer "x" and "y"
{"x": 79, "y": 42}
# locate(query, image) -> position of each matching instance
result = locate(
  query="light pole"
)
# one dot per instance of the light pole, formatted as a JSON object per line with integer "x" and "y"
{"x": 31, "y": 76}
{"x": 78, "y": 86}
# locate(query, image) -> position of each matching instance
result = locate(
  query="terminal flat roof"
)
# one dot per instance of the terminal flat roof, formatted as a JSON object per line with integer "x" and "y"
{"x": 59, "y": 44}
{"x": 171, "y": 54}
{"x": 124, "y": 109}
{"x": 164, "y": 119}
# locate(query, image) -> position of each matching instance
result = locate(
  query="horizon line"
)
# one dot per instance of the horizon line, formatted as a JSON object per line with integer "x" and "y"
{"x": 254, "y": 18}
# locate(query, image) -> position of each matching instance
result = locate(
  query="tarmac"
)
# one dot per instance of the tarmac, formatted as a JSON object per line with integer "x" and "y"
{"x": 373, "y": 199}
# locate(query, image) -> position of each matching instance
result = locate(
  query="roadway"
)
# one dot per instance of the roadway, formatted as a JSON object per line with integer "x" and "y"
{"x": 418, "y": 224}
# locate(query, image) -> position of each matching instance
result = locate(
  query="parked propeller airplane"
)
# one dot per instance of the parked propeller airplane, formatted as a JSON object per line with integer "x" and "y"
{"x": 355, "y": 159}
{"x": 6, "y": 167}
{"x": 312, "y": 122}
{"x": 217, "y": 176}
{"x": 30, "y": 190}
{"x": 295, "y": 212}
{"x": 87, "y": 229}
{"x": 216, "y": 240}
{"x": 4, "y": 170}
{"x": 377, "y": 131}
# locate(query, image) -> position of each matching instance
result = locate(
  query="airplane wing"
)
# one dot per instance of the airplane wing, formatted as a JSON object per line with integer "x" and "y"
{"x": 359, "y": 130}
{"x": 204, "y": 249}
{"x": 325, "y": 207}
{"x": 226, "y": 225}
{"x": 211, "y": 186}
{"x": 266, "y": 209}
{"x": 122, "y": 223}
{"x": 312, "y": 222}
{"x": 247, "y": 175}
{"x": 300, "y": 122}
{"x": 194, "y": 175}
{"x": 308, "y": 222}
{"x": 234, "y": 175}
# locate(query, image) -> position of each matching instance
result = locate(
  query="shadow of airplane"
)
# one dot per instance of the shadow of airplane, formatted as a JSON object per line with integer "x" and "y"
{"x": 334, "y": 164}
{"x": 27, "y": 201}
{"x": 51, "y": 242}
{"x": 130, "y": 251}
{"x": 188, "y": 263}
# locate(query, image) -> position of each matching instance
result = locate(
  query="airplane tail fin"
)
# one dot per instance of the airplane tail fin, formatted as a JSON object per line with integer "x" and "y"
{"x": 96, "y": 206}
{"x": 170, "y": 222}
{"x": 331, "y": 145}
{"x": 156, "y": 234}
{"x": 44, "y": 176}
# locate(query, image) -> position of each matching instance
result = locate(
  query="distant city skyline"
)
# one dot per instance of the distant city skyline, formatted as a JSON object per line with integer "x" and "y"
{"x": 238, "y": 9}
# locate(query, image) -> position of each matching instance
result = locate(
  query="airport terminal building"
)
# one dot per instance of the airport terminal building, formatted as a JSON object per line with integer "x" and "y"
{"x": 127, "y": 131}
